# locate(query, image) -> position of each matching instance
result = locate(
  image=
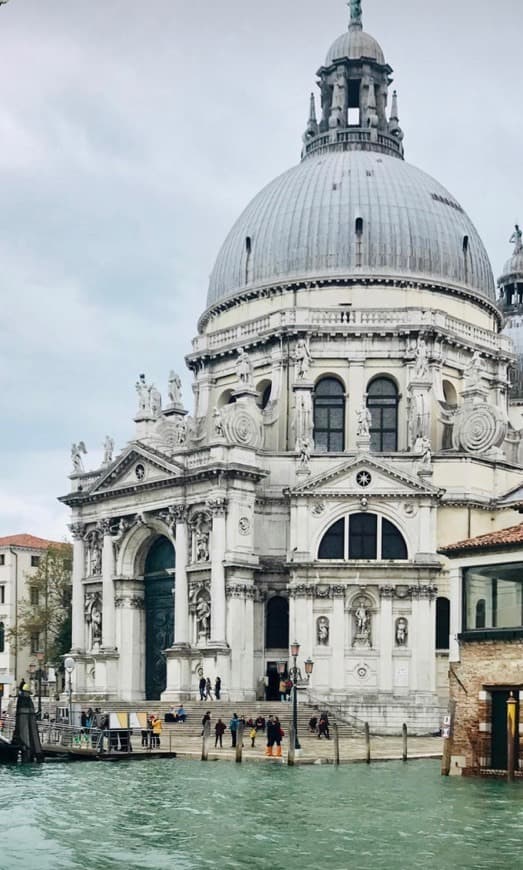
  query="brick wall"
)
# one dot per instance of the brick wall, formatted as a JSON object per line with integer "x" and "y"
{"x": 484, "y": 665}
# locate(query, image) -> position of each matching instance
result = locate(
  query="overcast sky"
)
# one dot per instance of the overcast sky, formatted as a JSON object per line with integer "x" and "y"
{"x": 132, "y": 135}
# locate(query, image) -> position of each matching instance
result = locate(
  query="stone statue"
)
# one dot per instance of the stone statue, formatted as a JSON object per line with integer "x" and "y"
{"x": 362, "y": 636}
{"x": 516, "y": 239}
{"x": 304, "y": 449}
{"x": 96, "y": 627}
{"x": 421, "y": 368}
{"x": 203, "y": 616}
{"x": 175, "y": 389}
{"x": 155, "y": 401}
{"x": 76, "y": 456}
{"x": 181, "y": 433}
{"x": 422, "y": 445}
{"x": 322, "y": 631}
{"x": 108, "y": 450}
{"x": 143, "y": 395}
{"x": 302, "y": 356}
{"x": 362, "y": 619}
{"x": 355, "y": 10}
{"x": 304, "y": 419}
{"x": 201, "y": 532}
{"x": 93, "y": 618}
{"x": 244, "y": 367}
{"x": 218, "y": 423}
{"x": 402, "y": 631}
{"x": 364, "y": 420}
{"x": 474, "y": 371}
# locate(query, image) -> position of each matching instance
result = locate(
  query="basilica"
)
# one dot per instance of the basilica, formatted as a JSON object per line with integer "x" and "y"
{"x": 357, "y": 408}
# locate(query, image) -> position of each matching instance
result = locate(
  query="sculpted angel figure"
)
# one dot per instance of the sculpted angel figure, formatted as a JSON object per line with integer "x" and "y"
{"x": 422, "y": 364}
{"x": 364, "y": 421}
{"x": 516, "y": 239}
{"x": 175, "y": 388}
{"x": 218, "y": 422}
{"x": 243, "y": 367}
{"x": 108, "y": 450}
{"x": 144, "y": 400}
{"x": 302, "y": 356}
{"x": 76, "y": 456}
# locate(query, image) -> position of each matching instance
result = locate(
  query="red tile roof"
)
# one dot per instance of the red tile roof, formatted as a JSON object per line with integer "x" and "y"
{"x": 30, "y": 542}
{"x": 503, "y": 538}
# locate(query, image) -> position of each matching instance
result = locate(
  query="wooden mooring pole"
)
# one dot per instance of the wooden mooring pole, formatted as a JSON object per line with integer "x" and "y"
{"x": 511, "y": 737}
{"x": 291, "y": 757}
{"x": 205, "y": 741}
{"x": 239, "y": 742}
{"x": 404, "y": 733}
{"x": 367, "y": 743}
{"x": 336, "y": 744}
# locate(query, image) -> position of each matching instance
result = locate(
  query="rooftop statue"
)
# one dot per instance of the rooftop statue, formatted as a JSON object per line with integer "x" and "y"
{"x": 516, "y": 239}
{"x": 355, "y": 10}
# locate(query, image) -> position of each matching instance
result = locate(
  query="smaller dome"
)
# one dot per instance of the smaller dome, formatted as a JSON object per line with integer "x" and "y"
{"x": 355, "y": 44}
{"x": 512, "y": 267}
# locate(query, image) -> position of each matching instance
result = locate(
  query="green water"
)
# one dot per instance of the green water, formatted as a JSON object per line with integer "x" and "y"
{"x": 181, "y": 815}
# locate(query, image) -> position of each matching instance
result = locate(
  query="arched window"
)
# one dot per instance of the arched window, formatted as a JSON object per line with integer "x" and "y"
{"x": 2, "y": 637}
{"x": 382, "y": 402}
{"x": 333, "y": 542}
{"x": 329, "y": 416}
{"x": 363, "y": 536}
{"x": 481, "y": 613}
{"x": 442, "y": 623}
{"x": 277, "y": 623}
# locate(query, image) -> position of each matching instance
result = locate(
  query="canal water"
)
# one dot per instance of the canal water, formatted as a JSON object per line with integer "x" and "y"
{"x": 182, "y": 815}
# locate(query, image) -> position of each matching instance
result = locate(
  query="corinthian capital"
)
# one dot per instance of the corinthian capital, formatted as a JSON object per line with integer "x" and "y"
{"x": 217, "y": 506}
{"x": 77, "y": 530}
{"x": 176, "y": 513}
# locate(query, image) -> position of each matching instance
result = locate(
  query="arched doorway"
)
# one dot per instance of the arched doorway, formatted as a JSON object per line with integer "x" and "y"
{"x": 276, "y": 641}
{"x": 159, "y": 614}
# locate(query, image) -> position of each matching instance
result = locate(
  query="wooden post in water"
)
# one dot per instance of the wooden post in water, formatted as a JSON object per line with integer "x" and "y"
{"x": 511, "y": 737}
{"x": 336, "y": 744}
{"x": 367, "y": 743}
{"x": 239, "y": 742}
{"x": 205, "y": 741}
{"x": 404, "y": 733}
{"x": 447, "y": 734}
{"x": 292, "y": 746}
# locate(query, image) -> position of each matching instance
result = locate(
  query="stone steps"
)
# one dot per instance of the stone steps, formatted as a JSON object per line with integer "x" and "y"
{"x": 224, "y": 709}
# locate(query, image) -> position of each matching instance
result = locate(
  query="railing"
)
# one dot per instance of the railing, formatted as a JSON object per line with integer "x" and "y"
{"x": 337, "y": 712}
{"x": 350, "y": 319}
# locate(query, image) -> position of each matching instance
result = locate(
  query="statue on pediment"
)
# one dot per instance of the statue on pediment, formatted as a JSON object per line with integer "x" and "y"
{"x": 76, "y": 455}
{"x": 175, "y": 389}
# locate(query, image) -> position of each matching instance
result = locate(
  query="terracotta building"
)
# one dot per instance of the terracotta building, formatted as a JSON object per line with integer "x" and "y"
{"x": 486, "y": 657}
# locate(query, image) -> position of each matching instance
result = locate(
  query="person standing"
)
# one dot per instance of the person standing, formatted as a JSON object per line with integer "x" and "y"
{"x": 219, "y": 730}
{"x": 270, "y": 736}
{"x": 233, "y": 728}
{"x": 206, "y": 718}
{"x": 283, "y": 689}
{"x": 279, "y": 734}
{"x": 252, "y": 735}
{"x": 208, "y": 689}
{"x": 217, "y": 688}
{"x": 202, "y": 685}
{"x": 157, "y": 730}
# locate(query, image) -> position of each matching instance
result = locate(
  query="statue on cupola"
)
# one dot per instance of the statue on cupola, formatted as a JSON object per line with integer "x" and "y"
{"x": 355, "y": 13}
{"x": 516, "y": 239}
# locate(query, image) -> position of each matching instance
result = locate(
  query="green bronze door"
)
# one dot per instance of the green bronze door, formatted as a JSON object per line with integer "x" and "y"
{"x": 159, "y": 615}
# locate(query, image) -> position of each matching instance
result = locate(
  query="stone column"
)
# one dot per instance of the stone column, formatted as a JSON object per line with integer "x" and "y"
{"x": 218, "y": 508}
{"x": 424, "y": 649}
{"x": 131, "y": 640}
{"x": 78, "y": 619}
{"x": 386, "y": 639}
{"x": 337, "y": 640}
{"x": 358, "y": 384}
{"x": 108, "y": 569}
{"x": 181, "y": 595}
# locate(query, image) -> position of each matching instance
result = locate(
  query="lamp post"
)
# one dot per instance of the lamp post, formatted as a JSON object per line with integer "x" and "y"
{"x": 69, "y": 667}
{"x": 32, "y": 669}
{"x": 39, "y": 674}
{"x": 296, "y": 677}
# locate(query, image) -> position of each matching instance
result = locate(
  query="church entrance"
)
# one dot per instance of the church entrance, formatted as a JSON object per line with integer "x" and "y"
{"x": 159, "y": 615}
{"x": 499, "y": 728}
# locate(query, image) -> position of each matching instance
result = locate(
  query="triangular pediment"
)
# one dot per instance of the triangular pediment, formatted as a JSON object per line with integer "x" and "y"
{"x": 137, "y": 466}
{"x": 366, "y": 474}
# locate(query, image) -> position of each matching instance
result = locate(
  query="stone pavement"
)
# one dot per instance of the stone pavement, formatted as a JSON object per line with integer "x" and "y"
{"x": 352, "y": 750}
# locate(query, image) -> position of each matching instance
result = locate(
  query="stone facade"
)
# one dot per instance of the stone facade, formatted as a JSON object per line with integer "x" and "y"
{"x": 350, "y": 416}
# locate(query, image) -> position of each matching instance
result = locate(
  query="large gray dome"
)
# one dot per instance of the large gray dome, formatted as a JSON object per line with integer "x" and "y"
{"x": 302, "y": 227}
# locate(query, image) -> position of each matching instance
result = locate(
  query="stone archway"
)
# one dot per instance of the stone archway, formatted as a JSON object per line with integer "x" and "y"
{"x": 159, "y": 583}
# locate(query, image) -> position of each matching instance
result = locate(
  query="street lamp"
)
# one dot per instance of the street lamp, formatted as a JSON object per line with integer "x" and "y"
{"x": 296, "y": 677}
{"x": 69, "y": 667}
